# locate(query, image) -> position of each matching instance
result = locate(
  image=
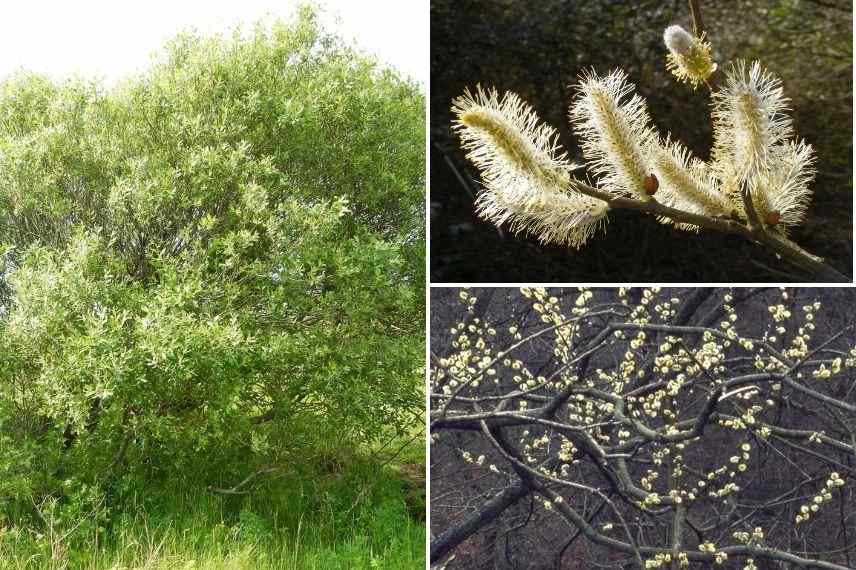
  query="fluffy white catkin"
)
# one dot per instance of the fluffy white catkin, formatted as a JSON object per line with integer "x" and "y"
{"x": 678, "y": 40}
{"x": 525, "y": 174}
{"x": 686, "y": 183}
{"x": 613, "y": 126}
{"x": 783, "y": 187}
{"x": 749, "y": 119}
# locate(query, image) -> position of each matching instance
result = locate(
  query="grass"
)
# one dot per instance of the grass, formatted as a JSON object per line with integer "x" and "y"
{"x": 349, "y": 515}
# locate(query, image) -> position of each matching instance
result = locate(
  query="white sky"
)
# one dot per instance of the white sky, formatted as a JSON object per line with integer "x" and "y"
{"x": 113, "y": 39}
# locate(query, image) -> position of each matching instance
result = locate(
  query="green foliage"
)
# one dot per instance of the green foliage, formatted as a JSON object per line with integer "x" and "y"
{"x": 209, "y": 268}
{"x": 252, "y": 526}
{"x": 290, "y": 526}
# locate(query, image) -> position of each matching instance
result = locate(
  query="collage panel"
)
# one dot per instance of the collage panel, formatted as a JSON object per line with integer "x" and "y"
{"x": 212, "y": 285}
{"x": 614, "y": 428}
{"x": 641, "y": 142}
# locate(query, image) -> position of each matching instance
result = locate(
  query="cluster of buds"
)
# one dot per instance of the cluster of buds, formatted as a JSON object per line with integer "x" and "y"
{"x": 754, "y": 537}
{"x": 664, "y": 558}
{"x": 718, "y": 557}
{"x": 824, "y": 495}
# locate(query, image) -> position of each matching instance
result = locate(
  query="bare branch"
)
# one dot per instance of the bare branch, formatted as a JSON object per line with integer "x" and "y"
{"x": 236, "y": 490}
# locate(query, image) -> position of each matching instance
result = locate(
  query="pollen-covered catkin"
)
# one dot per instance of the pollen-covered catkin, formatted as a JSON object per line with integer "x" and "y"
{"x": 689, "y": 58}
{"x": 526, "y": 176}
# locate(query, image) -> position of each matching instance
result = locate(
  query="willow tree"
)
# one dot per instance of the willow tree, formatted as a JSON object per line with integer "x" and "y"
{"x": 209, "y": 268}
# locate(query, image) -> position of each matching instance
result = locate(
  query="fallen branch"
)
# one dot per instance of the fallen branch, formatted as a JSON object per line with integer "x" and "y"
{"x": 236, "y": 489}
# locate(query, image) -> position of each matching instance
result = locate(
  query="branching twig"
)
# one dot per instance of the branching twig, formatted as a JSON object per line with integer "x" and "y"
{"x": 581, "y": 438}
{"x": 236, "y": 489}
{"x": 782, "y": 246}
{"x": 695, "y": 12}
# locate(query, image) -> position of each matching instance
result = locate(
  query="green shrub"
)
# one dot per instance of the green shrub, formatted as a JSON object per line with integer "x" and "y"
{"x": 209, "y": 269}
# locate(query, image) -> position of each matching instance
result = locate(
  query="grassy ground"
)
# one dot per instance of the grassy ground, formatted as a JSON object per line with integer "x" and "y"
{"x": 346, "y": 512}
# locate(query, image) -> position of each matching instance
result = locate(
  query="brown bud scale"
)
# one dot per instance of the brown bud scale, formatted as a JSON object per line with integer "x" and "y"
{"x": 651, "y": 184}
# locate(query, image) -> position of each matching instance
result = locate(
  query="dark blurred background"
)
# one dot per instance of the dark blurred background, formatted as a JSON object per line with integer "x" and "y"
{"x": 538, "y": 49}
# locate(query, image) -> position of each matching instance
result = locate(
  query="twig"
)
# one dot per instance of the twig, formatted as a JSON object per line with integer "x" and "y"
{"x": 782, "y": 246}
{"x": 775, "y": 271}
{"x": 401, "y": 449}
{"x": 235, "y": 490}
{"x": 454, "y": 170}
{"x": 751, "y": 215}
{"x": 695, "y": 11}
{"x": 123, "y": 447}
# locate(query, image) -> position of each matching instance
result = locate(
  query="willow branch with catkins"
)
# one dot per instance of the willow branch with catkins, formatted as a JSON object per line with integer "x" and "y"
{"x": 757, "y": 183}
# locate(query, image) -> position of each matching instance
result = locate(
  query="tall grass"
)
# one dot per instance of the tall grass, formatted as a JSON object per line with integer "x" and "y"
{"x": 340, "y": 516}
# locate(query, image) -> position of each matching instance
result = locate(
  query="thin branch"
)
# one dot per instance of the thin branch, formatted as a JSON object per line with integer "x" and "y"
{"x": 236, "y": 489}
{"x": 123, "y": 448}
{"x": 554, "y": 418}
{"x": 782, "y": 246}
{"x": 574, "y": 518}
{"x": 695, "y": 12}
{"x": 751, "y": 215}
{"x": 449, "y": 539}
{"x": 678, "y": 533}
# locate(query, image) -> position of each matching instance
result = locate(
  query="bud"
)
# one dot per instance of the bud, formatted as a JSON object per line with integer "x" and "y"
{"x": 651, "y": 184}
{"x": 678, "y": 40}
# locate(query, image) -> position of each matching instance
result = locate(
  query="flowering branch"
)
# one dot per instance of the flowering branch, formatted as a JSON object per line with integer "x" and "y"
{"x": 758, "y": 233}
{"x": 553, "y": 405}
{"x": 756, "y": 184}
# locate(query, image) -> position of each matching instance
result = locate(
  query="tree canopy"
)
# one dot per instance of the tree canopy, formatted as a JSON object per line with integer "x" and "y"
{"x": 211, "y": 266}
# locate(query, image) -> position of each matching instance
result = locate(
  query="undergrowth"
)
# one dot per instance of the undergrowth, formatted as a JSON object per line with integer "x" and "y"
{"x": 342, "y": 512}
